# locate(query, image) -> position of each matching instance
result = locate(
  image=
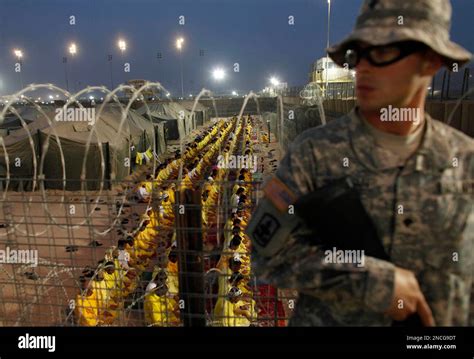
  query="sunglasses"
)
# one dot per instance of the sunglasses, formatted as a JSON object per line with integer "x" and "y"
{"x": 382, "y": 55}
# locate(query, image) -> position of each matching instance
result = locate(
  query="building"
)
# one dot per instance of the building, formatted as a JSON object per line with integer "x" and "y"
{"x": 338, "y": 78}
{"x": 137, "y": 84}
{"x": 275, "y": 90}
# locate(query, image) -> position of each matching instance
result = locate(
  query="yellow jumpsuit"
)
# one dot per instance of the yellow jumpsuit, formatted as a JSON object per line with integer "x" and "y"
{"x": 159, "y": 311}
{"x": 86, "y": 310}
{"x": 230, "y": 318}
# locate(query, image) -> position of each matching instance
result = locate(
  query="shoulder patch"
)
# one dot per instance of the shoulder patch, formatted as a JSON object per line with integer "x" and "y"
{"x": 279, "y": 194}
{"x": 266, "y": 229}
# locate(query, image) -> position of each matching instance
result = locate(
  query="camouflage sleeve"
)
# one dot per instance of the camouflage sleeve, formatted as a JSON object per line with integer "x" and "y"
{"x": 470, "y": 231}
{"x": 471, "y": 311}
{"x": 284, "y": 256}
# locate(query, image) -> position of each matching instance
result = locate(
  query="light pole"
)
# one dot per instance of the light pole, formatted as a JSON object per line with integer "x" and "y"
{"x": 159, "y": 56}
{"x": 122, "y": 45}
{"x": 179, "y": 46}
{"x": 203, "y": 77}
{"x": 109, "y": 59}
{"x": 327, "y": 46}
{"x": 65, "y": 72}
{"x": 19, "y": 55}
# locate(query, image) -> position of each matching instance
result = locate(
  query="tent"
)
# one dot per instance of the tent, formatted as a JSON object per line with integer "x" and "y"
{"x": 11, "y": 121}
{"x": 201, "y": 112}
{"x": 71, "y": 138}
{"x": 176, "y": 110}
{"x": 175, "y": 117}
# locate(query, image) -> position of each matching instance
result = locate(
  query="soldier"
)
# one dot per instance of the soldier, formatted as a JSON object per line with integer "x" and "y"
{"x": 408, "y": 183}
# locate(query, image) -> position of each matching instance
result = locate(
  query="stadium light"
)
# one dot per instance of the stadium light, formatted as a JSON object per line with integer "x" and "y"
{"x": 218, "y": 74}
{"x": 72, "y": 49}
{"x": 18, "y": 53}
{"x": 179, "y": 43}
{"x": 274, "y": 81}
{"x": 122, "y": 45}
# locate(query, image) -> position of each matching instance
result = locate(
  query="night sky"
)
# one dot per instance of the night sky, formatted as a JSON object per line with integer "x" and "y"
{"x": 253, "y": 33}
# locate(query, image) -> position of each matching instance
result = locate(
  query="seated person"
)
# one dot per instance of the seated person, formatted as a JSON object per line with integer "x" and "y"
{"x": 143, "y": 194}
{"x": 160, "y": 310}
{"x": 236, "y": 313}
{"x": 86, "y": 310}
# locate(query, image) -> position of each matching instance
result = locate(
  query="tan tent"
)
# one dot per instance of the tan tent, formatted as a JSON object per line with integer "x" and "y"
{"x": 72, "y": 138}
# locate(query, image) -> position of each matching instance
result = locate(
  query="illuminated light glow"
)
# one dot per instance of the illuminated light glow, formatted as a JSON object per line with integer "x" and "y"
{"x": 72, "y": 49}
{"x": 18, "y": 53}
{"x": 122, "y": 45}
{"x": 218, "y": 74}
{"x": 179, "y": 43}
{"x": 274, "y": 81}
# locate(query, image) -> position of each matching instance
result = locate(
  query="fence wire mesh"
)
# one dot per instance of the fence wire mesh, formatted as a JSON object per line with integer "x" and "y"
{"x": 163, "y": 247}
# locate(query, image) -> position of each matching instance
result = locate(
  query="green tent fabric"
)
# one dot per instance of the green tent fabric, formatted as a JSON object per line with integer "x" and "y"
{"x": 201, "y": 112}
{"x": 156, "y": 113}
{"x": 175, "y": 117}
{"x": 72, "y": 138}
{"x": 160, "y": 139}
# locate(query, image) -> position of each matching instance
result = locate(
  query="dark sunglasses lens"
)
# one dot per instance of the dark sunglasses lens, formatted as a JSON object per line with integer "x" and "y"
{"x": 351, "y": 58}
{"x": 385, "y": 54}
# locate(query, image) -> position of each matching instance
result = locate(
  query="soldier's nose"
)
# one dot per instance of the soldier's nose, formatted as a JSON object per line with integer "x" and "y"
{"x": 363, "y": 66}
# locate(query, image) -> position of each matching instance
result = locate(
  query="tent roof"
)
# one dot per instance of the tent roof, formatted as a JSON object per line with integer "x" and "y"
{"x": 164, "y": 110}
{"x": 156, "y": 111}
{"x": 106, "y": 128}
{"x": 188, "y": 105}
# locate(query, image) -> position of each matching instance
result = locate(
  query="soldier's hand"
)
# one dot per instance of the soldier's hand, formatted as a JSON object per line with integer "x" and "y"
{"x": 408, "y": 291}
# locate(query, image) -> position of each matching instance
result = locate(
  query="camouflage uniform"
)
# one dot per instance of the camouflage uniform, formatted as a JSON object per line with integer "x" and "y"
{"x": 437, "y": 224}
{"x": 433, "y": 235}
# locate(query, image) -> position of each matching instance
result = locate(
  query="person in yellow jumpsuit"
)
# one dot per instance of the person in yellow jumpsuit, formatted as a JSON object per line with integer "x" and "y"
{"x": 129, "y": 282}
{"x": 148, "y": 183}
{"x": 105, "y": 303}
{"x": 167, "y": 205}
{"x": 227, "y": 265}
{"x": 154, "y": 220}
{"x": 242, "y": 282}
{"x": 172, "y": 272}
{"x": 101, "y": 292}
{"x": 236, "y": 312}
{"x": 111, "y": 280}
{"x": 86, "y": 307}
{"x": 160, "y": 310}
{"x": 243, "y": 216}
{"x": 171, "y": 193}
{"x": 144, "y": 241}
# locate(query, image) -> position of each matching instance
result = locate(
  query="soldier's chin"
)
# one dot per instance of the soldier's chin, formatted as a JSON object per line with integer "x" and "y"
{"x": 370, "y": 104}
